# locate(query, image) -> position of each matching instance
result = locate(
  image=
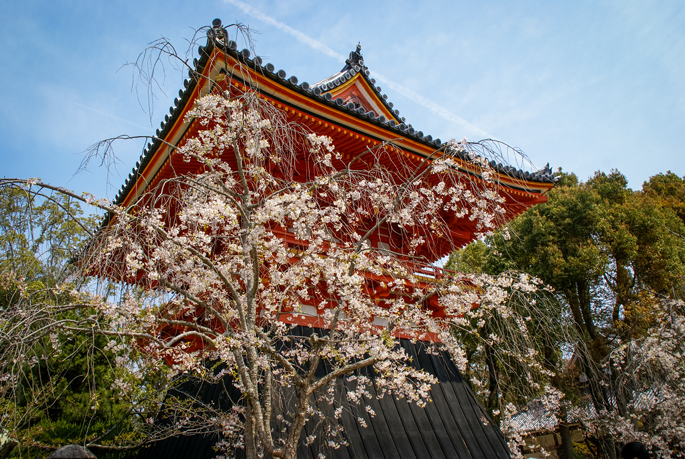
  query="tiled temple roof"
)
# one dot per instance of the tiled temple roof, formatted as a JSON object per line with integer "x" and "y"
{"x": 354, "y": 65}
{"x": 318, "y": 92}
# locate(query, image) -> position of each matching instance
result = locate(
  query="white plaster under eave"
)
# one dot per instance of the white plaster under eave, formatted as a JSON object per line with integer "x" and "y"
{"x": 308, "y": 310}
{"x": 369, "y": 99}
{"x": 381, "y": 321}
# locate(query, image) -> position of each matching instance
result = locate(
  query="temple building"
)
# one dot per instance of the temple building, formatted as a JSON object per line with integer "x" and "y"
{"x": 350, "y": 108}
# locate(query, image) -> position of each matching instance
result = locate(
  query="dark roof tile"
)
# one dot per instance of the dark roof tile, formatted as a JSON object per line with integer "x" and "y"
{"x": 453, "y": 425}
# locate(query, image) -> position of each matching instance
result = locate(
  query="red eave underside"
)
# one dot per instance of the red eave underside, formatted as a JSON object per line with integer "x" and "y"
{"x": 350, "y": 135}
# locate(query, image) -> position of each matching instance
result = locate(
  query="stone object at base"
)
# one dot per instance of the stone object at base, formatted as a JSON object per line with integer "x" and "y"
{"x": 72, "y": 452}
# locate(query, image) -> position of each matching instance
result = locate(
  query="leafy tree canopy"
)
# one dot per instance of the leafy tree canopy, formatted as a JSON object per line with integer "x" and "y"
{"x": 612, "y": 256}
{"x": 56, "y": 386}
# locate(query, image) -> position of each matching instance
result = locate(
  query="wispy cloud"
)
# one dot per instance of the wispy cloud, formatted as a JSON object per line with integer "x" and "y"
{"x": 430, "y": 105}
{"x": 111, "y": 116}
{"x": 317, "y": 45}
{"x": 301, "y": 37}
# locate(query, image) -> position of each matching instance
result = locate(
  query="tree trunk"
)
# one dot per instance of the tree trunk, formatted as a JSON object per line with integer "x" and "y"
{"x": 493, "y": 383}
{"x": 7, "y": 444}
{"x": 608, "y": 447}
{"x": 299, "y": 419}
{"x": 249, "y": 437}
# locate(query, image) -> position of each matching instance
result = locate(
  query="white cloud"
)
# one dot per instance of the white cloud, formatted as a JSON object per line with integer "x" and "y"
{"x": 430, "y": 105}
{"x": 306, "y": 39}
{"x": 108, "y": 115}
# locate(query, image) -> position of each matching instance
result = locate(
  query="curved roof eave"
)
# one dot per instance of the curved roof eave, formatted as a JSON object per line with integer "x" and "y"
{"x": 314, "y": 92}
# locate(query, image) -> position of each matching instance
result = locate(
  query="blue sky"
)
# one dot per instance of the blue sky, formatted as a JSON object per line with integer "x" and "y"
{"x": 582, "y": 85}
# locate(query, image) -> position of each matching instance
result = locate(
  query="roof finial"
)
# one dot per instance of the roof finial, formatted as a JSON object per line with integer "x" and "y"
{"x": 217, "y": 31}
{"x": 355, "y": 58}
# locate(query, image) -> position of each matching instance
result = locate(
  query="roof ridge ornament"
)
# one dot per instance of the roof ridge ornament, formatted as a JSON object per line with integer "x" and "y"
{"x": 355, "y": 59}
{"x": 217, "y": 30}
{"x": 545, "y": 170}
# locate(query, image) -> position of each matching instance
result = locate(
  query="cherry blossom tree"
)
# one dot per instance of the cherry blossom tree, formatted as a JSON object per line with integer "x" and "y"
{"x": 240, "y": 250}
{"x": 217, "y": 268}
{"x": 651, "y": 385}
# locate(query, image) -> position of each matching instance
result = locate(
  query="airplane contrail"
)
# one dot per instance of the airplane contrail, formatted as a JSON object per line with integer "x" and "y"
{"x": 317, "y": 45}
{"x": 110, "y": 115}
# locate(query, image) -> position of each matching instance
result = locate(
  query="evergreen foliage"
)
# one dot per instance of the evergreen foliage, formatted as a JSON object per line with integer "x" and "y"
{"x": 63, "y": 389}
{"x": 612, "y": 256}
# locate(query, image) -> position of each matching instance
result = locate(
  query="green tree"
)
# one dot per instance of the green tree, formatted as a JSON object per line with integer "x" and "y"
{"x": 609, "y": 253}
{"x": 56, "y": 385}
{"x": 668, "y": 190}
